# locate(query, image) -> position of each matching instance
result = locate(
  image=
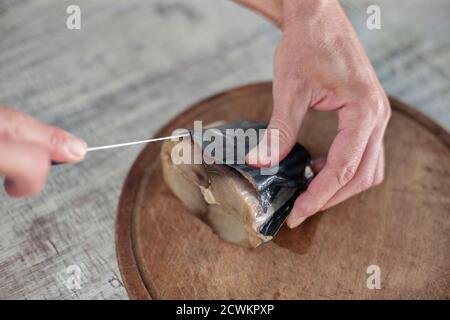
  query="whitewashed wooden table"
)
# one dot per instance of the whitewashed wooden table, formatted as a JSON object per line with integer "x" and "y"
{"x": 131, "y": 67}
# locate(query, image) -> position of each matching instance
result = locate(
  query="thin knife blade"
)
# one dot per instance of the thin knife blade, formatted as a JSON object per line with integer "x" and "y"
{"x": 126, "y": 144}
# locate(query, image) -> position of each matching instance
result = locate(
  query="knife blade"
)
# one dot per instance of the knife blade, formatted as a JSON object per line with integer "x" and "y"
{"x": 127, "y": 144}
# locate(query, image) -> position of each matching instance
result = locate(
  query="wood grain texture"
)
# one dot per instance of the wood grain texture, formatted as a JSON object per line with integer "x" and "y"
{"x": 134, "y": 65}
{"x": 402, "y": 226}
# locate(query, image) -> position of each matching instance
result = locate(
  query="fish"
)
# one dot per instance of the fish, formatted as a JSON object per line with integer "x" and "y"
{"x": 240, "y": 203}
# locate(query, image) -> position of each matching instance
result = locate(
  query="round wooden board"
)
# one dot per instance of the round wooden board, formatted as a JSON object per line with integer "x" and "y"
{"x": 402, "y": 226}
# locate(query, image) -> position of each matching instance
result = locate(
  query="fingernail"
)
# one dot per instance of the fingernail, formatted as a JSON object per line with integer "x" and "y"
{"x": 297, "y": 221}
{"x": 77, "y": 148}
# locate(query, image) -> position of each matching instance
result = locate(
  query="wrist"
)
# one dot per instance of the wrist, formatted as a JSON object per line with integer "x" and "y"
{"x": 270, "y": 9}
{"x": 306, "y": 10}
{"x": 285, "y": 12}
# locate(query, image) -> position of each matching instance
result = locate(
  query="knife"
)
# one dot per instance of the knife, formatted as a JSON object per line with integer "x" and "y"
{"x": 126, "y": 144}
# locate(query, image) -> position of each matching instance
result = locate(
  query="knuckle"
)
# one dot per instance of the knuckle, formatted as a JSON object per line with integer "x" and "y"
{"x": 57, "y": 137}
{"x": 285, "y": 136}
{"x": 373, "y": 107}
{"x": 15, "y": 124}
{"x": 379, "y": 107}
{"x": 387, "y": 110}
{"x": 283, "y": 129}
{"x": 346, "y": 174}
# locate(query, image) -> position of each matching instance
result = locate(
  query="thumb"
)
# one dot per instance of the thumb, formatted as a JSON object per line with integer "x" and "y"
{"x": 282, "y": 131}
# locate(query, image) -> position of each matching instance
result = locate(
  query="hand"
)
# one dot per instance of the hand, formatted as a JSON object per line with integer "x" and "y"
{"x": 26, "y": 149}
{"x": 320, "y": 64}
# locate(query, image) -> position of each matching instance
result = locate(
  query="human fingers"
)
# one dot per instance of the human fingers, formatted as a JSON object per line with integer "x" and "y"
{"x": 346, "y": 152}
{"x": 63, "y": 147}
{"x": 25, "y": 167}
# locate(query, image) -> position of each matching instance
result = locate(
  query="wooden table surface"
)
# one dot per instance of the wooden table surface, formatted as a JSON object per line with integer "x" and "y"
{"x": 131, "y": 67}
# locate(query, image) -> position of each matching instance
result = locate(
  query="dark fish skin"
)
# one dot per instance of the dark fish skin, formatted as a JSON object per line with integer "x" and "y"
{"x": 291, "y": 172}
{"x": 274, "y": 224}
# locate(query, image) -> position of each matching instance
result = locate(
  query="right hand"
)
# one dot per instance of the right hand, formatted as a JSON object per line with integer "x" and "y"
{"x": 320, "y": 64}
{"x": 27, "y": 148}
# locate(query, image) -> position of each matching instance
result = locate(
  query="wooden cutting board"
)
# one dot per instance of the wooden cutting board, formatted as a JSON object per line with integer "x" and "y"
{"x": 402, "y": 226}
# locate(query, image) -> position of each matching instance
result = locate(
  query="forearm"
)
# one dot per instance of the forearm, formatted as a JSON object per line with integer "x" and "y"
{"x": 271, "y": 9}
{"x": 282, "y": 12}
